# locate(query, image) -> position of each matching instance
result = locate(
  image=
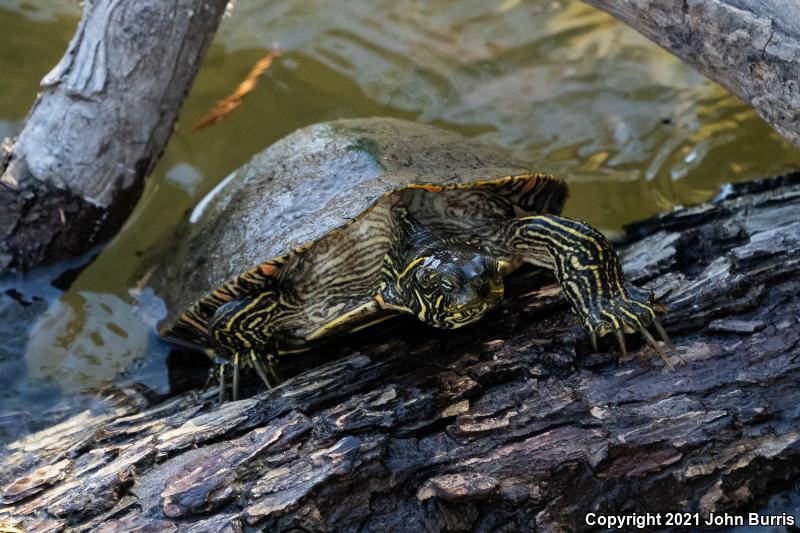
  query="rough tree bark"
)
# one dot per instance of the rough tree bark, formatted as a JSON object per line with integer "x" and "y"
{"x": 512, "y": 425}
{"x": 750, "y": 47}
{"x": 98, "y": 127}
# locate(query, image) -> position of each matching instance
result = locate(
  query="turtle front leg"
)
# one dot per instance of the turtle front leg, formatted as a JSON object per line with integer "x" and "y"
{"x": 239, "y": 338}
{"x": 590, "y": 275}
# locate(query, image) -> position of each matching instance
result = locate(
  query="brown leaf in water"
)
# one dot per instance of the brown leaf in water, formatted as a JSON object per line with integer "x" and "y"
{"x": 224, "y": 107}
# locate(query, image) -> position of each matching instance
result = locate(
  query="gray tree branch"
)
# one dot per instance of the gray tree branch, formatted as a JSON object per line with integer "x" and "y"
{"x": 99, "y": 125}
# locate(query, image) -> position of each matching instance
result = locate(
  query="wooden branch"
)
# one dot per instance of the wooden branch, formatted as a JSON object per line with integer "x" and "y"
{"x": 750, "y": 47}
{"x": 512, "y": 424}
{"x": 98, "y": 127}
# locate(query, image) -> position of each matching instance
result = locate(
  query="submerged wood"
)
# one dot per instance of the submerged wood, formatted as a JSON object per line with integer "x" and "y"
{"x": 750, "y": 47}
{"x": 512, "y": 424}
{"x": 98, "y": 127}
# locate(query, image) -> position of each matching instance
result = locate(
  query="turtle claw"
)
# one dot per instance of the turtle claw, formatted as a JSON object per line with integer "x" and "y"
{"x": 236, "y": 365}
{"x": 621, "y": 341}
{"x": 222, "y": 384}
{"x": 632, "y": 311}
{"x": 209, "y": 380}
{"x": 219, "y": 371}
{"x": 260, "y": 370}
{"x": 273, "y": 374}
{"x": 648, "y": 337}
{"x": 236, "y": 377}
{"x": 664, "y": 336}
{"x": 654, "y": 344}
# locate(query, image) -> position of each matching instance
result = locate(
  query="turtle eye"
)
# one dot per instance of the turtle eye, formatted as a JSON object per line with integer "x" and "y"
{"x": 448, "y": 282}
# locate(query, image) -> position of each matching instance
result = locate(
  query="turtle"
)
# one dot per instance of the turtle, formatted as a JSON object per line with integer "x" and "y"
{"x": 343, "y": 224}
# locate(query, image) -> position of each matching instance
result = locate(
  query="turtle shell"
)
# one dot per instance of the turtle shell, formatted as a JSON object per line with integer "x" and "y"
{"x": 305, "y": 188}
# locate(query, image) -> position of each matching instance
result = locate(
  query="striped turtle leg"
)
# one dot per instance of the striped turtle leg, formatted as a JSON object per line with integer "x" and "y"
{"x": 590, "y": 275}
{"x": 241, "y": 337}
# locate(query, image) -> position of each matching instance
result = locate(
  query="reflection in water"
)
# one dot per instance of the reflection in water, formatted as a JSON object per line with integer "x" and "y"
{"x": 557, "y": 82}
{"x": 85, "y": 337}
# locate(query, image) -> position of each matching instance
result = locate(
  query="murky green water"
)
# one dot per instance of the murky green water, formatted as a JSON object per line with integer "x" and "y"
{"x": 561, "y": 85}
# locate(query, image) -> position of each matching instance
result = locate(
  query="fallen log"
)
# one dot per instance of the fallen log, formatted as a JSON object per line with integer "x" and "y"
{"x": 98, "y": 127}
{"x": 747, "y": 46}
{"x": 512, "y": 424}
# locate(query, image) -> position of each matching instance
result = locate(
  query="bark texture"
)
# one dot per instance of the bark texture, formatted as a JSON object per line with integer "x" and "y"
{"x": 98, "y": 127}
{"x": 750, "y": 47}
{"x": 510, "y": 425}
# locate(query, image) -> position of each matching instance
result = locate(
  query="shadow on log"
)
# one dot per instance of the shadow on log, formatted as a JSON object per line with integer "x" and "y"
{"x": 98, "y": 127}
{"x": 747, "y": 46}
{"x": 512, "y": 424}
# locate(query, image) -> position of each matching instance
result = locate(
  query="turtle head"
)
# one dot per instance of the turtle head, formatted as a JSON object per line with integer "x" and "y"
{"x": 451, "y": 285}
